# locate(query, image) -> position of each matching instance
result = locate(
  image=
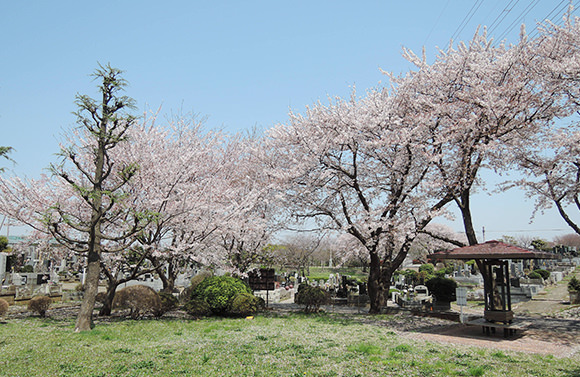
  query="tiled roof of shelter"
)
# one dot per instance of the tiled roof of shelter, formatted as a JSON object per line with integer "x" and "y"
{"x": 491, "y": 250}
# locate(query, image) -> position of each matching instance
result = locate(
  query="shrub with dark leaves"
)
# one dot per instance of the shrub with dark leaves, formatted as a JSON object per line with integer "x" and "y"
{"x": 197, "y": 308}
{"x": 311, "y": 297}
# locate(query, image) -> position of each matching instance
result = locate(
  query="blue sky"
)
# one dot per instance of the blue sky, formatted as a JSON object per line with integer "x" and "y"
{"x": 240, "y": 64}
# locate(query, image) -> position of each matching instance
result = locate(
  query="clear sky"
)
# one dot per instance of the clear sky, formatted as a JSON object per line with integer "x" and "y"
{"x": 241, "y": 64}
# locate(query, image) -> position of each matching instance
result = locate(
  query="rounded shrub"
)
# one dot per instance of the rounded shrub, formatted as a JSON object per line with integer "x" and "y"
{"x": 140, "y": 299}
{"x": 39, "y": 305}
{"x": 311, "y": 297}
{"x": 534, "y": 275}
{"x": 201, "y": 276}
{"x": 197, "y": 308}
{"x": 428, "y": 268}
{"x": 219, "y": 292}
{"x": 543, "y": 273}
{"x": 574, "y": 285}
{"x": 245, "y": 304}
{"x": 3, "y": 307}
{"x": 443, "y": 289}
{"x": 187, "y": 293}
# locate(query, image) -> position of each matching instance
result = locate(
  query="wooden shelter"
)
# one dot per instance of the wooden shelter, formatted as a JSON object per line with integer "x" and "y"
{"x": 492, "y": 259}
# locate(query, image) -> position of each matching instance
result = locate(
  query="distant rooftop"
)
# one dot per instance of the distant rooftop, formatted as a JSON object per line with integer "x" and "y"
{"x": 491, "y": 250}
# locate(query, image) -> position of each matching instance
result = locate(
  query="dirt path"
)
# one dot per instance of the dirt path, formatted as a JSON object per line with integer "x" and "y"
{"x": 551, "y": 300}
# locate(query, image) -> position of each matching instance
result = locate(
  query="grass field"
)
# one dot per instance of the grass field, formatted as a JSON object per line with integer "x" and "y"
{"x": 297, "y": 345}
{"x": 323, "y": 273}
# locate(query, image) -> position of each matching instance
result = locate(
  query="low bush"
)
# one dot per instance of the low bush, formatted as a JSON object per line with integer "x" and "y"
{"x": 543, "y": 273}
{"x": 201, "y": 276}
{"x": 245, "y": 304}
{"x": 197, "y": 308}
{"x": 428, "y": 268}
{"x": 311, "y": 297}
{"x": 534, "y": 275}
{"x": 39, "y": 305}
{"x": 440, "y": 273}
{"x": 140, "y": 299}
{"x": 443, "y": 289}
{"x": 574, "y": 285}
{"x": 3, "y": 307}
{"x": 187, "y": 293}
{"x": 168, "y": 302}
{"x": 219, "y": 292}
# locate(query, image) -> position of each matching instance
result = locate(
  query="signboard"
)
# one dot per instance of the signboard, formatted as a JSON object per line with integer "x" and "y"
{"x": 461, "y": 295}
{"x": 262, "y": 279}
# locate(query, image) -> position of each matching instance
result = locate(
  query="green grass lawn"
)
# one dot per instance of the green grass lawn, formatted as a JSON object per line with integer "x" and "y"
{"x": 318, "y": 273}
{"x": 297, "y": 345}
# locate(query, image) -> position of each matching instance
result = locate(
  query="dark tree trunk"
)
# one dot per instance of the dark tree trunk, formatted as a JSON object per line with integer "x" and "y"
{"x": 374, "y": 284}
{"x": 167, "y": 277}
{"x": 465, "y": 207}
{"x": 108, "y": 304}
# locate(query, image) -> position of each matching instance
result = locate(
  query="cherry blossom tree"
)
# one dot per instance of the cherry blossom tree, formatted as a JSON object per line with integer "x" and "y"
{"x": 435, "y": 237}
{"x": 252, "y": 215}
{"x": 362, "y": 167}
{"x": 551, "y": 164}
{"x": 479, "y": 100}
{"x": 347, "y": 249}
{"x": 179, "y": 181}
{"x": 552, "y": 175}
{"x": 296, "y": 250}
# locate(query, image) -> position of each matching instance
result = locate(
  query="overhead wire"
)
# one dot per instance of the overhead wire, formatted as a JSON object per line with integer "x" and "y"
{"x": 519, "y": 19}
{"x": 467, "y": 18}
{"x": 555, "y": 16}
{"x": 505, "y": 13}
{"x": 436, "y": 22}
{"x": 557, "y": 12}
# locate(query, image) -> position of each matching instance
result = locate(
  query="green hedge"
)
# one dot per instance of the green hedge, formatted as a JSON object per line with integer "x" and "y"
{"x": 219, "y": 292}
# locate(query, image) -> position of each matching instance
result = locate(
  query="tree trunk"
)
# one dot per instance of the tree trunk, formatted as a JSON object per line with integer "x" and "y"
{"x": 169, "y": 284}
{"x": 108, "y": 304}
{"x": 385, "y": 284}
{"x": 374, "y": 284}
{"x": 168, "y": 279}
{"x": 465, "y": 208}
{"x": 84, "y": 320}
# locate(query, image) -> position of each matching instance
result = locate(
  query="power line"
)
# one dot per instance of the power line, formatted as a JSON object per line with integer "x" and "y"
{"x": 505, "y": 13}
{"x": 528, "y": 230}
{"x": 520, "y": 18}
{"x": 556, "y": 13}
{"x": 467, "y": 18}
{"x": 436, "y": 22}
